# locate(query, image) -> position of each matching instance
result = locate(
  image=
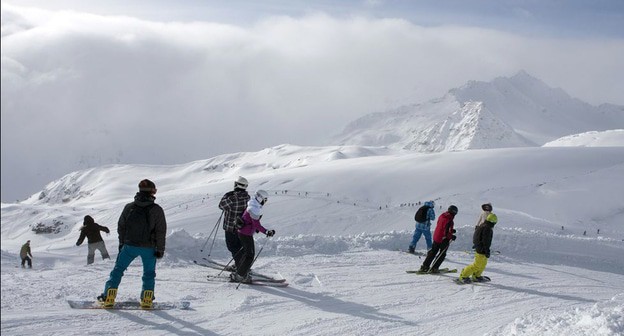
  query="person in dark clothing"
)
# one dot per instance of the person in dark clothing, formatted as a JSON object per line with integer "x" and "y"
{"x": 26, "y": 254}
{"x": 142, "y": 228}
{"x": 91, "y": 230}
{"x": 233, "y": 204}
{"x": 442, "y": 236}
{"x": 482, "y": 240}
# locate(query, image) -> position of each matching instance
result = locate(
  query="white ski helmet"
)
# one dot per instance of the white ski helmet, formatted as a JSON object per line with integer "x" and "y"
{"x": 261, "y": 196}
{"x": 241, "y": 182}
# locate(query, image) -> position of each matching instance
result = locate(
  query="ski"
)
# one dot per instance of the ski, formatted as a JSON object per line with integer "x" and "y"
{"x": 440, "y": 271}
{"x": 219, "y": 266}
{"x": 128, "y": 305}
{"x": 254, "y": 282}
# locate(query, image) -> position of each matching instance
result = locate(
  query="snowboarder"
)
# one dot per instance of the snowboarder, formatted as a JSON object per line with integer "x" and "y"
{"x": 251, "y": 224}
{"x": 482, "y": 240}
{"x": 141, "y": 228}
{"x": 233, "y": 204}
{"x": 91, "y": 230}
{"x": 442, "y": 236}
{"x": 26, "y": 254}
{"x": 423, "y": 218}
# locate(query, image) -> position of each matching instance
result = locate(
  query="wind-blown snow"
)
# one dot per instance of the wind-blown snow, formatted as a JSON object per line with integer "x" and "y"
{"x": 611, "y": 138}
{"x": 341, "y": 214}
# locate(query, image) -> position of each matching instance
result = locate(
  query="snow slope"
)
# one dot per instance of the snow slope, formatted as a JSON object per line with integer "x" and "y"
{"x": 341, "y": 214}
{"x": 612, "y": 138}
{"x": 518, "y": 111}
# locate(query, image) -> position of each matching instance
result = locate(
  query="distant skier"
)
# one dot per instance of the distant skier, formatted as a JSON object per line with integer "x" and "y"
{"x": 26, "y": 254}
{"x": 423, "y": 217}
{"x": 482, "y": 240}
{"x": 142, "y": 228}
{"x": 442, "y": 236}
{"x": 91, "y": 230}
{"x": 233, "y": 204}
{"x": 251, "y": 224}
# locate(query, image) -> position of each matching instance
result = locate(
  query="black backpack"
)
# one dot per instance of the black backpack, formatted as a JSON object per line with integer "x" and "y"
{"x": 138, "y": 231}
{"x": 421, "y": 214}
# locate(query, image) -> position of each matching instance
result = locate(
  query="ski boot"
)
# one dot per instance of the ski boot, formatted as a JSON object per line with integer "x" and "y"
{"x": 108, "y": 301}
{"x": 235, "y": 277}
{"x": 434, "y": 271}
{"x": 411, "y": 249}
{"x": 147, "y": 298}
{"x": 463, "y": 281}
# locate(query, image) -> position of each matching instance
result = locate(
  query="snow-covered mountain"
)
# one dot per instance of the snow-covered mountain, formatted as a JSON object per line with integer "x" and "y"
{"x": 611, "y": 138}
{"x": 519, "y": 111}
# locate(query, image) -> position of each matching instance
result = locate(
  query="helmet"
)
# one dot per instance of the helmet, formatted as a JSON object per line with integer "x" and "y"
{"x": 261, "y": 196}
{"x": 486, "y": 207}
{"x": 492, "y": 218}
{"x": 241, "y": 183}
{"x": 453, "y": 209}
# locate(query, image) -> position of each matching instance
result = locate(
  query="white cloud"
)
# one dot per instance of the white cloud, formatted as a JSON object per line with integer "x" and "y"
{"x": 92, "y": 87}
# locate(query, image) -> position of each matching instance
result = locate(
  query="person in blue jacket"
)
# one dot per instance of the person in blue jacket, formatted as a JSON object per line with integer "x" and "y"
{"x": 423, "y": 218}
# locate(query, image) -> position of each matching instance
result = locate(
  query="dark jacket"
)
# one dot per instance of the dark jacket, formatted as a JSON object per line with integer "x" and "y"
{"x": 91, "y": 230}
{"x": 155, "y": 218}
{"x": 482, "y": 238}
{"x": 444, "y": 228}
{"x": 233, "y": 204}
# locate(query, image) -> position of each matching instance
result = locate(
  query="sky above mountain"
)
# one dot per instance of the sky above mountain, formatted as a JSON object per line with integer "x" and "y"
{"x": 85, "y": 84}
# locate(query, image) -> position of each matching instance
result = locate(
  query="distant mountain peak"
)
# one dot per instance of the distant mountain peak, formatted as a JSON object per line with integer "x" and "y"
{"x": 515, "y": 111}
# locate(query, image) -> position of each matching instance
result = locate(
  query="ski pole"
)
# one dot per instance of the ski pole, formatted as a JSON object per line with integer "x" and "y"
{"x": 440, "y": 254}
{"x": 214, "y": 230}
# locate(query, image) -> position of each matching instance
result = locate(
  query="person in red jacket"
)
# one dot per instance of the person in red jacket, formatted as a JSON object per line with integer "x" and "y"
{"x": 442, "y": 236}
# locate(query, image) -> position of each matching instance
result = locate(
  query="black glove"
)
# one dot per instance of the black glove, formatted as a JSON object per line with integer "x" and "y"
{"x": 453, "y": 231}
{"x": 239, "y": 223}
{"x": 120, "y": 247}
{"x": 77, "y": 244}
{"x": 270, "y": 233}
{"x": 487, "y": 255}
{"x": 159, "y": 254}
{"x": 453, "y": 237}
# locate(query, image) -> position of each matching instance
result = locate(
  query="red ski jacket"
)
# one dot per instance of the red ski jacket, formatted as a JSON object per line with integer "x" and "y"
{"x": 444, "y": 228}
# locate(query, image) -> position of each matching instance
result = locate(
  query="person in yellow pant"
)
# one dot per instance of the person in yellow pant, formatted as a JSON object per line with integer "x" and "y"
{"x": 482, "y": 240}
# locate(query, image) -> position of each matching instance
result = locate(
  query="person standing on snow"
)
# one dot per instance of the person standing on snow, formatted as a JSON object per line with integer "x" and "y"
{"x": 423, "y": 218}
{"x": 142, "y": 228}
{"x": 482, "y": 240}
{"x": 91, "y": 230}
{"x": 250, "y": 225}
{"x": 233, "y": 204}
{"x": 442, "y": 236}
{"x": 26, "y": 254}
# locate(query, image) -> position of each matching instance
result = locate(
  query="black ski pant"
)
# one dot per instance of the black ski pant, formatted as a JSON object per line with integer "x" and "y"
{"x": 248, "y": 253}
{"x": 436, "y": 249}
{"x": 234, "y": 245}
{"x": 27, "y": 259}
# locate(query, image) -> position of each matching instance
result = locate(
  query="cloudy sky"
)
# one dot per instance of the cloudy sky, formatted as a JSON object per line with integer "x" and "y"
{"x": 87, "y": 83}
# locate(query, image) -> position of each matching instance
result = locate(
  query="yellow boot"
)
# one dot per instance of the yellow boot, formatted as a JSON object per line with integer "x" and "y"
{"x": 146, "y": 300}
{"x": 109, "y": 300}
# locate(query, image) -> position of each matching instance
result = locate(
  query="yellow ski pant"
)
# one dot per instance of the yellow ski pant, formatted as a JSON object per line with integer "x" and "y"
{"x": 476, "y": 268}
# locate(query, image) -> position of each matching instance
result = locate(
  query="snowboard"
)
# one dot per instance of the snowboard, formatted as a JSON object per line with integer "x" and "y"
{"x": 441, "y": 271}
{"x": 416, "y": 253}
{"x": 485, "y": 279}
{"x": 128, "y": 305}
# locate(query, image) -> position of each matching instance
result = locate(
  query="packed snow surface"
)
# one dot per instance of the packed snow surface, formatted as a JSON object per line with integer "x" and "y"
{"x": 341, "y": 215}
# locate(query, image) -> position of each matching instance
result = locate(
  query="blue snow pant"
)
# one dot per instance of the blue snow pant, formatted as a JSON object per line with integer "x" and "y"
{"x": 127, "y": 254}
{"x": 422, "y": 229}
